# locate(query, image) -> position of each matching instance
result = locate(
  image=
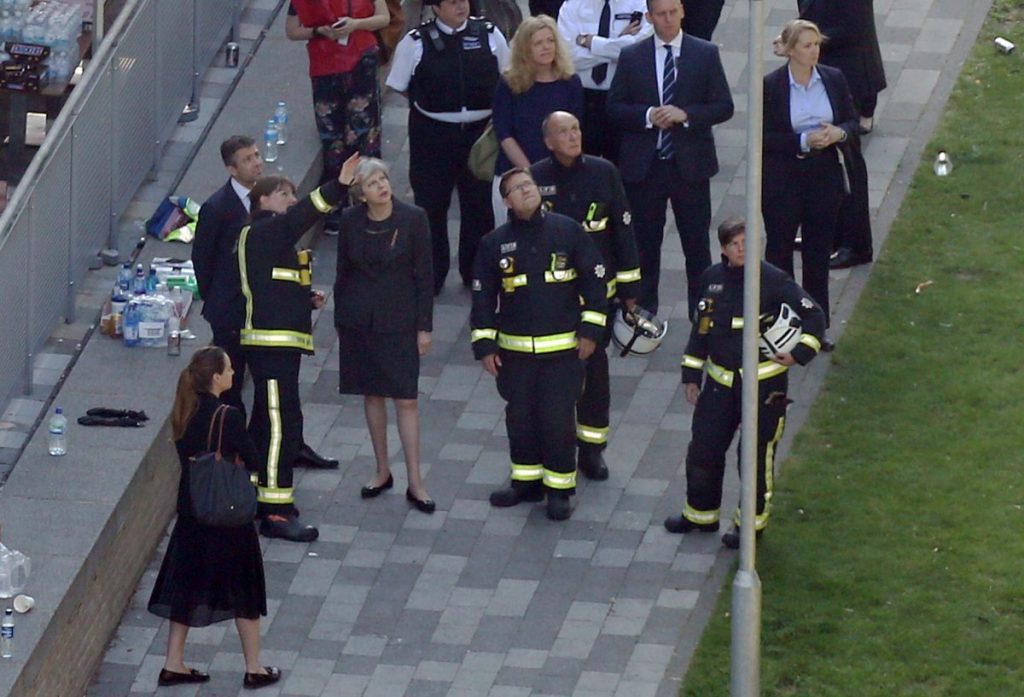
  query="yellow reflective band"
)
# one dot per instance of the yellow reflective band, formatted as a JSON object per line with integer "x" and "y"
{"x": 769, "y": 461}
{"x": 276, "y": 338}
{"x": 760, "y": 521}
{"x": 480, "y": 334}
{"x": 593, "y": 317}
{"x": 595, "y": 225}
{"x": 628, "y": 275}
{"x": 811, "y": 341}
{"x": 510, "y": 283}
{"x": 537, "y": 344}
{"x": 319, "y": 202}
{"x": 527, "y": 473}
{"x": 276, "y": 434}
{"x": 737, "y": 323}
{"x": 692, "y": 362}
{"x": 280, "y": 274}
{"x": 243, "y": 238}
{"x": 612, "y": 287}
{"x": 726, "y": 377}
{"x": 592, "y": 434}
{"x": 305, "y": 277}
{"x": 303, "y": 256}
{"x": 273, "y": 495}
{"x": 701, "y": 517}
{"x": 560, "y": 276}
{"x": 719, "y": 374}
{"x": 559, "y": 480}
{"x": 769, "y": 369}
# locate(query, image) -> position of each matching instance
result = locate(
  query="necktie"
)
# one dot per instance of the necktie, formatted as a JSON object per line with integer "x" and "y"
{"x": 604, "y": 25}
{"x": 668, "y": 90}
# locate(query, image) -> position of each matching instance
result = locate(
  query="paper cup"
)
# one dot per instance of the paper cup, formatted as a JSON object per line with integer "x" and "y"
{"x": 23, "y": 603}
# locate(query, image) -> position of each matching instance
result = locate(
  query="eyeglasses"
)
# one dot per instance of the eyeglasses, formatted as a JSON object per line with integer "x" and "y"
{"x": 522, "y": 186}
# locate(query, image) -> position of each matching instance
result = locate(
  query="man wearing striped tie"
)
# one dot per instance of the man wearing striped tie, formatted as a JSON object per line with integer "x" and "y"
{"x": 668, "y": 91}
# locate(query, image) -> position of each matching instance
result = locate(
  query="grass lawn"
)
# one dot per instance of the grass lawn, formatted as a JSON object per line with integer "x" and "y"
{"x": 895, "y": 560}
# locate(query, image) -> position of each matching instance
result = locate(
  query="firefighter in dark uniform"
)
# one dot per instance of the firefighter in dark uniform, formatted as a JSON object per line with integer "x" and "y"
{"x": 715, "y": 348}
{"x": 548, "y": 279}
{"x": 589, "y": 190}
{"x": 277, "y": 332}
{"x": 448, "y": 68}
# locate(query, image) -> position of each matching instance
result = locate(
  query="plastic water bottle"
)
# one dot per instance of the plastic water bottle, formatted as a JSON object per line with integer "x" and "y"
{"x": 130, "y": 322}
{"x": 943, "y": 165}
{"x": 7, "y": 635}
{"x": 139, "y": 283}
{"x": 57, "y": 440}
{"x": 152, "y": 281}
{"x": 281, "y": 117}
{"x": 124, "y": 278}
{"x": 270, "y": 142}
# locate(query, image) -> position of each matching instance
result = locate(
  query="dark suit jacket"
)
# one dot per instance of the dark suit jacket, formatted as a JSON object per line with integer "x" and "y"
{"x": 701, "y": 91}
{"x": 397, "y": 297}
{"x": 852, "y": 43}
{"x": 213, "y": 254}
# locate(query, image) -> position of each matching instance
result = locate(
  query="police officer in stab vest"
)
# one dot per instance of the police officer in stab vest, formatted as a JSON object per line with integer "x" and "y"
{"x": 277, "y": 331}
{"x": 448, "y": 68}
{"x": 548, "y": 279}
{"x": 716, "y": 348}
{"x": 588, "y": 189}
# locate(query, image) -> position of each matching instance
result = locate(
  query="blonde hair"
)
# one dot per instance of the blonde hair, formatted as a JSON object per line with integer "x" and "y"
{"x": 520, "y": 74}
{"x": 794, "y": 28}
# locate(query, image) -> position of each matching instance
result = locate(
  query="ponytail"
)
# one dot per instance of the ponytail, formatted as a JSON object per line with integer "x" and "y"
{"x": 197, "y": 377}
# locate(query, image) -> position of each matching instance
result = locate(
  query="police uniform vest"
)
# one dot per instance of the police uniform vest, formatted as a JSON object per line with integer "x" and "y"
{"x": 457, "y": 70}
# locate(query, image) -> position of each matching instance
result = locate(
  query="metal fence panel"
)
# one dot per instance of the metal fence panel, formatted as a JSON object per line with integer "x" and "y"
{"x": 14, "y": 308}
{"x": 173, "y": 63}
{"x": 49, "y": 245}
{"x": 91, "y": 174}
{"x": 213, "y": 19}
{"x": 134, "y": 98}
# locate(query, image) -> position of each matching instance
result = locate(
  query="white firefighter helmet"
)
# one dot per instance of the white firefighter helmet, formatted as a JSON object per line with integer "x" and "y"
{"x": 783, "y": 334}
{"x": 638, "y": 332}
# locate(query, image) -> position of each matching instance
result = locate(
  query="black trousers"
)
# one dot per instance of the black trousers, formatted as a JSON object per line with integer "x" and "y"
{"x": 600, "y": 136}
{"x": 715, "y": 420}
{"x": 701, "y": 17}
{"x": 276, "y": 426}
{"x": 438, "y": 153}
{"x": 853, "y": 227}
{"x": 545, "y": 7}
{"x": 228, "y": 339}
{"x": 594, "y": 405}
{"x": 691, "y": 205}
{"x": 807, "y": 196}
{"x": 541, "y": 393}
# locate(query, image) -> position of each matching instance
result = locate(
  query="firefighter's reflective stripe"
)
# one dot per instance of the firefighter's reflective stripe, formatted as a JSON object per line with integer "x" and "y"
{"x": 760, "y": 521}
{"x": 527, "y": 473}
{"x": 560, "y": 276}
{"x": 811, "y": 341}
{"x": 692, "y": 362}
{"x": 243, "y": 236}
{"x": 319, "y": 202}
{"x": 737, "y": 323}
{"x": 726, "y": 377}
{"x": 276, "y": 338}
{"x": 483, "y": 334}
{"x": 769, "y": 464}
{"x": 612, "y": 288}
{"x": 279, "y": 274}
{"x": 537, "y": 344}
{"x": 510, "y": 283}
{"x": 559, "y": 480}
{"x": 592, "y": 434}
{"x": 594, "y": 317}
{"x": 628, "y": 275}
{"x": 271, "y": 493}
{"x": 267, "y": 494}
{"x": 701, "y": 517}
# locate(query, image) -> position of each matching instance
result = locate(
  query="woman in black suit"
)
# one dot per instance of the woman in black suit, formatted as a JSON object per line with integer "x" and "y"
{"x": 808, "y": 113}
{"x": 383, "y": 310}
{"x": 210, "y": 574}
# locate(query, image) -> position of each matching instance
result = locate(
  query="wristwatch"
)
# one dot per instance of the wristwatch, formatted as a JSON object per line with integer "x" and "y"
{"x": 583, "y": 40}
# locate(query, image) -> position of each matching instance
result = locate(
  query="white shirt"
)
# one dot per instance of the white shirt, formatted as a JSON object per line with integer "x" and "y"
{"x": 242, "y": 193}
{"x": 408, "y": 54}
{"x": 809, "y": 107}
{"x": 659, "y": 66}
{"x": 584, "y": 17}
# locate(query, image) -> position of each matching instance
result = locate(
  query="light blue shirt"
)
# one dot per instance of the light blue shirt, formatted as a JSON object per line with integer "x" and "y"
{"x": 809, "y": 106}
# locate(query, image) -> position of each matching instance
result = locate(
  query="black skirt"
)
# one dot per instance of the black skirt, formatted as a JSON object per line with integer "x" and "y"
{"x": 378, "y": 365}
{"x": 210, "y": 575}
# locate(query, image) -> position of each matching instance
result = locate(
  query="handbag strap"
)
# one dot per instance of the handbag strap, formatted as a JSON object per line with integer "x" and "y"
{"x": 220, "y": 432}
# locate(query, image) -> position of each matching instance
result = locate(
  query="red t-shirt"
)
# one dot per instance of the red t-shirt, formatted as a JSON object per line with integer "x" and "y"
{"x": 328, "y": 57}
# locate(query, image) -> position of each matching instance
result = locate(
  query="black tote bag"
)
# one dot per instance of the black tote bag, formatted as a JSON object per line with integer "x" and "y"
{"x": 222, "y": 493}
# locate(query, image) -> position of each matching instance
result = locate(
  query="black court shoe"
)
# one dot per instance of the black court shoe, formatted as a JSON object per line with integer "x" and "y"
{"x": 169, "y": 677}
{"x": 254, "y": 681}
{"x": 424, "y": 505}
{"x": 371, "y": 492}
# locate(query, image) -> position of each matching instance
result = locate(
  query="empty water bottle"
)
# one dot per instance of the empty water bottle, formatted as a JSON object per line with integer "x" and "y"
{"x": 943, "y": 165}
{"x": 7, "y": 635}
{"x": 281, "y": 117}
{"x": 270, "y": 142}
{"x": 57, "y": 439}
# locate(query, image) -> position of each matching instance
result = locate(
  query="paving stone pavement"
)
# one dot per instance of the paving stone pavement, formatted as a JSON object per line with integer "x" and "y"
{"x": 477, "y": 601}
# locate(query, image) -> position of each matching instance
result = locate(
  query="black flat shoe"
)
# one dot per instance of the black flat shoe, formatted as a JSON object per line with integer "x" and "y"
{"x": 169, "y": 677}
{"x": 424, "y": 505}
{"x": 372, "y": 492}
{"x": 254, "y": 681}
{"x": 845, "y": 258}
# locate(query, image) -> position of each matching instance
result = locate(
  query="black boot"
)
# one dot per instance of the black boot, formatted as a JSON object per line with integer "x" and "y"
{"x": 307, "y": 457}
{"x": 558, "y": 506}
{"x": 682, "y": 525}
{"x": 287, "y": 528}
{"x": 731, "y": 539}
{"x": 531, "y": 492}
{"x": 590, "y": 462}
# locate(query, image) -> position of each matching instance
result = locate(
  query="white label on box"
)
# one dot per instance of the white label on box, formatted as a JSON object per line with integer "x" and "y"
{"x": 151, "y": 330}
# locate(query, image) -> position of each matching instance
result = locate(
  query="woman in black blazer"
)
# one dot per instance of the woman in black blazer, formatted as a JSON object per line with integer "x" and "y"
{"x": 383, "y": 311}
{"x": 808, "y": 113}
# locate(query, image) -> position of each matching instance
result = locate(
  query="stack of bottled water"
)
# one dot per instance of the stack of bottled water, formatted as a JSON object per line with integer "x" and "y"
{"x": 57, "y": 25}
{"x": 13, "y": 14}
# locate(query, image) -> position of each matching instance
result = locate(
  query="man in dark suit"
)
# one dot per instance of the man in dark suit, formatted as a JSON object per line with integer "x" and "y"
{"x": 701, "y": 17}
{"x": 213, "y": 254}
{"x": 668, "y": 92}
